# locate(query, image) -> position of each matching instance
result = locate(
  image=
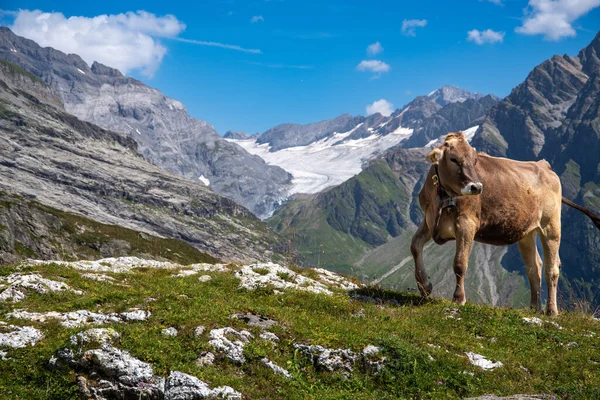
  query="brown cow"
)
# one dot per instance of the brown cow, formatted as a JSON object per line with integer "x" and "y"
{"x": 473, "y": 196}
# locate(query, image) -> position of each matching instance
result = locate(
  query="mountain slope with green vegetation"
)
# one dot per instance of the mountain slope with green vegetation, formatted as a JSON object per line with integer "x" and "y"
{"x": 422, "y": 348}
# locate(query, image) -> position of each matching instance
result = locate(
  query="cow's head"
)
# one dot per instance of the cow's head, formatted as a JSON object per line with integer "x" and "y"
{"x": 456, "y": 161}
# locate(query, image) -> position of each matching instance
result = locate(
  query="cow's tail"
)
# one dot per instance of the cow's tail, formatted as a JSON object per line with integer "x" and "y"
{"x": 595, "y": 219}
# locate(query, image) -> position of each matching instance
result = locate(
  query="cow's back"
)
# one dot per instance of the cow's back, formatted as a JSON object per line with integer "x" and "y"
{"x": 517, "y": 198}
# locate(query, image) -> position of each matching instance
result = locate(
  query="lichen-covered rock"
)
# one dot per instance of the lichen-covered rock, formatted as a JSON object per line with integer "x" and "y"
{"x": 204, "y": 278}
{"x": 78, "y": 318}
{"x": 232, "y": 349}
{"x": 255, "y": 320}
{"x": 18, "y": 336}
{"x": 95, "y": 336}
{"x": 180, "y": 386}
{"x": 20, "y": 284}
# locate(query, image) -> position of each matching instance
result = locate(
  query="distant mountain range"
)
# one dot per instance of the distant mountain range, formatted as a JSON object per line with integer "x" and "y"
{"x": 324, "y": 154}
{"x": 161, "y": 126}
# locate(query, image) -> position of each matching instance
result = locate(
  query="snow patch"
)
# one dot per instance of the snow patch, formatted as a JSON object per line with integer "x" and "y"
{"x": 327, "y": 162}
{"x": 80, "y": 71}
{"x": 204, "y": 180}
{"x": 470, "y": 132}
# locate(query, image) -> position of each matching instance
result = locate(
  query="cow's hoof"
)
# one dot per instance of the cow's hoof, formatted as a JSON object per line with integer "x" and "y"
{"x": 426, "y": 291}
{"x": 552, "y": 312}
{"x": 460, "y": 299}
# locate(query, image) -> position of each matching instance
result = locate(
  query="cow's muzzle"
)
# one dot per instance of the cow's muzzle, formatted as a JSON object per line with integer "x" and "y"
{"x": 472, "y": 188}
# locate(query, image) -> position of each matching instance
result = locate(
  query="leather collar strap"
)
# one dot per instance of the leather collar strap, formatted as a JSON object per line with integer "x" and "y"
{"x": 442, "y": 194}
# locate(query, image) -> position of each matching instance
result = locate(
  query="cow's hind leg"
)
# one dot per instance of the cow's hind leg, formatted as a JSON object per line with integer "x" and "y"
{"x": 533, "y": 265}
{"x": 465, "y": 233}
{"x": 550, "y": 237}
{"x": 420, "y": 238}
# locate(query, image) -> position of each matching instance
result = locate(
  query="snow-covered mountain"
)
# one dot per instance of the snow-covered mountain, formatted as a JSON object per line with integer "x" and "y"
{"x": 326, "y": 153}
{"x": 452, "y": 94}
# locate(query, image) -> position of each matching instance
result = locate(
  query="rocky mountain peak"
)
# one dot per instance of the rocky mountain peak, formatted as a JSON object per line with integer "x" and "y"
{"x": 101, "y": 69}
{"x": 452, "y": 94}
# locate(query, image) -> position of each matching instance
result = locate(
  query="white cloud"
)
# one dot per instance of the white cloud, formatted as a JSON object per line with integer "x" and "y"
{"x": 123, "y": 41}
{"x": 409, "y": 26}
{"x": 257, "y": 18}
{"x": 554, "y": 18}
{"x": 374, "y": 49}
{"x": 483, "y": 37}
{"x": 375, "y": 66}
{"x": 382, "y": 107}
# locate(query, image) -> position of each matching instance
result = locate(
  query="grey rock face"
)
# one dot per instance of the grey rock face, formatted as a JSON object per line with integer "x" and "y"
{"x": 74, "y": 166}
{"x": 161, "y": 126}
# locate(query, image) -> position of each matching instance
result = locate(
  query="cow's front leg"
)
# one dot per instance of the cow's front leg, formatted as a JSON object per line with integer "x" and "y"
{"x": 465, "y": 233}
{"x": 421, "y": 237}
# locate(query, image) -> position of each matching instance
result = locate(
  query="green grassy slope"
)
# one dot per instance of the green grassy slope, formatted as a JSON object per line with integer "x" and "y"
{"x": 424, "y": 348}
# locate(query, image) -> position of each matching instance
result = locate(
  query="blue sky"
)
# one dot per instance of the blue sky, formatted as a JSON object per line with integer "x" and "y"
{"x": 306, "y": 69}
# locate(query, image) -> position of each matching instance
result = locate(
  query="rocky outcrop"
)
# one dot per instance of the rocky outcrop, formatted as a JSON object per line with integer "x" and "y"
{"x": 161, "y": 126}
{"x": 78, "y": 168}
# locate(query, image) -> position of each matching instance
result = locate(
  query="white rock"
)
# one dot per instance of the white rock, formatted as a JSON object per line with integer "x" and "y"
{"x": 184, "y": 272}
{"x": 81, "y": 317}
{"x": 120, "y": 364}
{"x": 204, "y": 278}
{"x": 98, "y": 277}
{"x": 206, "y": 358}
{"x": 270, "y": 336}
{"x": 3, "y": 355}
{"x": 233, "y": 349}
{"x": 112, "y": 264}
{"x": 533, "y": 321}
{"x": 199, "y": 330}
{"x": 209, "y": 267}
{"x": 170, "y": 331}
{"x": 180, "y": 386}
{"x": 276, "y": 368}
{"x": 269, "y": 274}
{"x": 21, "y": 283}
{"x": 371, "y": 351}
{"x": 335, "y": 280}
{"x": 19, "y": 336}
{"x": 482, "y": 362}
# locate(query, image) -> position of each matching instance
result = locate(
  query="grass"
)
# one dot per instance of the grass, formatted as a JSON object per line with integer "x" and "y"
{"x": 536, "y": 359}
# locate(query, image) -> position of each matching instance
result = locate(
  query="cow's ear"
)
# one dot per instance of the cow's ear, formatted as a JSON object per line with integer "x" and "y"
{"x": 435, "y": 155}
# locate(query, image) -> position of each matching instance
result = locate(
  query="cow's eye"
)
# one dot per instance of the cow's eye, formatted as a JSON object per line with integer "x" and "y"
{"x": 454, "y": 160}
